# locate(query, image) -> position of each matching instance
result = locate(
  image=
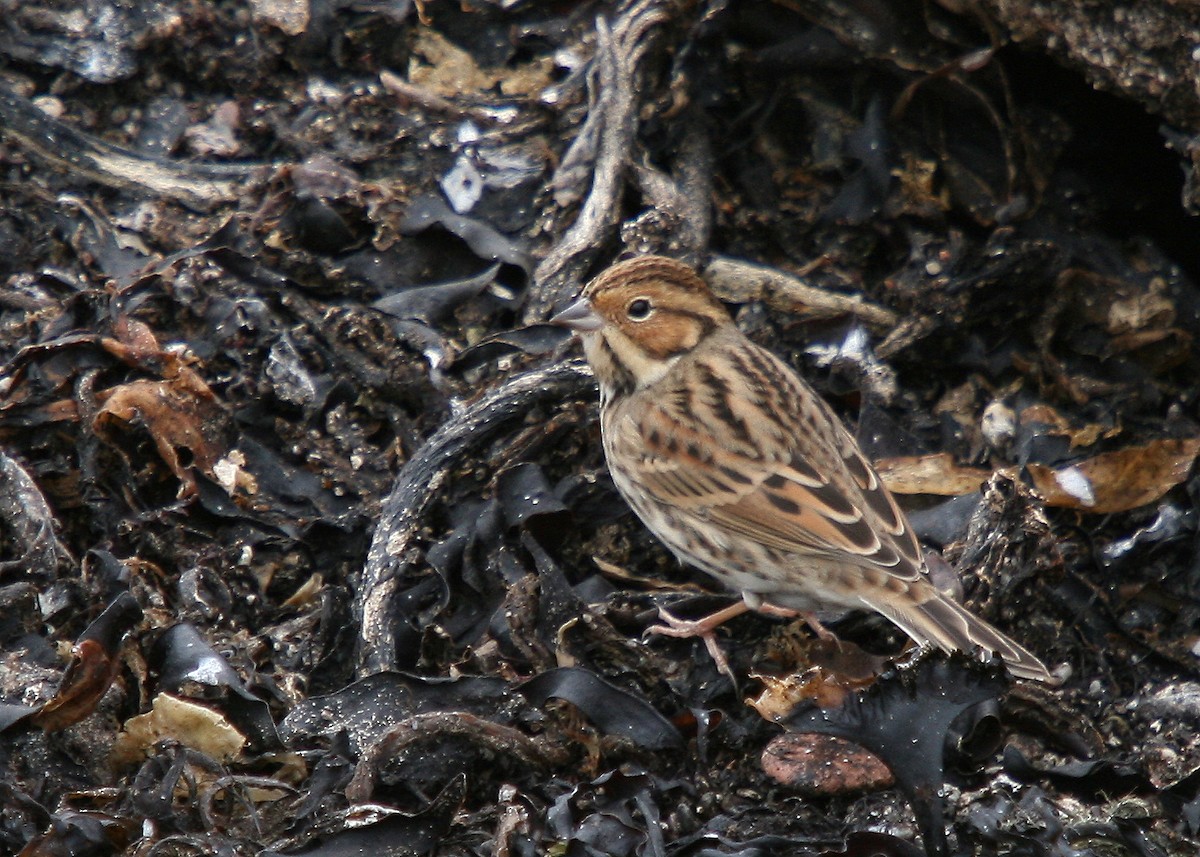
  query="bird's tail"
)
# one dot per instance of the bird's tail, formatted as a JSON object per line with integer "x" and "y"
{"x": 931, "y": 618}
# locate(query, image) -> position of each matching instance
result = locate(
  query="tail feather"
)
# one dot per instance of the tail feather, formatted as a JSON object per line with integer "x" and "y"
{"x": 931, "y": 618}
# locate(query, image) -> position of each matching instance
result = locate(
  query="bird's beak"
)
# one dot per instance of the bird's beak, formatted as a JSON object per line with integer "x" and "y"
{"x": 579, "y": 317}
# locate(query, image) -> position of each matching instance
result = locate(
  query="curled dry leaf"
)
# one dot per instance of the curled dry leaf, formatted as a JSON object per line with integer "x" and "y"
{"x": 95, "y": 659}
{"x": 91, "y": 672}
{"x": 178, "y": 416}
{"x": 937, "y": 474}
{"x": 824, "y": 686}
{"x": 1118, "y": 481}
{"x": 1109, "y": 482}
{"x": 1056, "y": 423}
{"x": 180, "y": 411}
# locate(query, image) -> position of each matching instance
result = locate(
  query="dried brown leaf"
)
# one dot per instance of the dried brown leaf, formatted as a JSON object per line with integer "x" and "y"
{"x": 179, "y": 417}
{"x": 1080, "y": 436}
{"x": 938, "y": 474}
{"x": 91, "y": 672}
{"x": 1117, "y": 481}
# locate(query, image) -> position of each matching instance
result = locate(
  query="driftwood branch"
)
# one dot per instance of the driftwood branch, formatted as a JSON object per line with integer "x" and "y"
{"x": 198, "y": 186}
{"x": 419, "y": 482}
{"x": 739, "y": 282}
{"x": 609, "y": 131}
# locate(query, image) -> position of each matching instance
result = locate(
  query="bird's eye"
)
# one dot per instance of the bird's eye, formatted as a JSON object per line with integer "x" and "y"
{"x": 639, "y": 309}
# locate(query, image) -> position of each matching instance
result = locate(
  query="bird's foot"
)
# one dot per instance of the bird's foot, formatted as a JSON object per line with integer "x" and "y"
{"x": 673, "y": 626}
{"x": 823, "y": 633}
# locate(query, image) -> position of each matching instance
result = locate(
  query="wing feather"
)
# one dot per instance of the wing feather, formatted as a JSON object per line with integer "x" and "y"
{"x": 803, "y": 487}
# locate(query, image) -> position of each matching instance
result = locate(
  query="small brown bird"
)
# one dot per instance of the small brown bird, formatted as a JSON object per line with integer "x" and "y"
{"x": 742, "y": 470}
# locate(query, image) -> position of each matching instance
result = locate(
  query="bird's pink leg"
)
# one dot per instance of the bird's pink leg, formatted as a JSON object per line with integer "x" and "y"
{"x": 673, "y": 626}
{"x": 823, "y": 633}
{"x": 676, "y": 627}
{"x": 703, "y": 628}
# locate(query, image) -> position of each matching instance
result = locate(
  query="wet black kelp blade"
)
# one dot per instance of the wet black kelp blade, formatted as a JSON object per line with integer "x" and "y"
{"x": 907, "y": 719}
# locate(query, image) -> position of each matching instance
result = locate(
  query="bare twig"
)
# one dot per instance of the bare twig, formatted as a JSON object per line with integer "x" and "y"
{"x": 735, "y": 280}
{"x": 413, "y": 94}
{"x": 693, "y": 171}
{"x": 678, "y": 220}
{"x": 609, "y": 129}
{"x": 495, "y": 739}
{"x": 198, "y": 186}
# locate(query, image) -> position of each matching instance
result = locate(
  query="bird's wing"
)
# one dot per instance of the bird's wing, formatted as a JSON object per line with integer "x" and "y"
{"x": 796, "y": 482}
{"x": 842, "y": 510}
